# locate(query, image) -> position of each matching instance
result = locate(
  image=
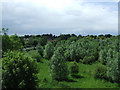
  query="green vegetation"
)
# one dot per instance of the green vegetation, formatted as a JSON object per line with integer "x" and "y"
{"x": 35, "y": 55}
{"x": 100, "y": 72}
{"x": 49, "y": 50}
{"x": 58, "y": 66}
{"x": 19, "y": 70}
{"x": 65, "y": 61}
{"x": 74, "y": 69}
{"x": 85, "y": 80}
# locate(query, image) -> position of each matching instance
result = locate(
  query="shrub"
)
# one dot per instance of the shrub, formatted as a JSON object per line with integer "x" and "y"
{"x": 35, "y": 55}
{"x": 58, "y": 65}
{"x": 100, "y": 72}
{"x": 19, "y": 70}
{"x": 74, "y": 69}
{"x": 88, "y": 59}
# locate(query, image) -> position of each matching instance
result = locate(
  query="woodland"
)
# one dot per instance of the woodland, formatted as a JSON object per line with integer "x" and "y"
{"x": 64, "y": 61}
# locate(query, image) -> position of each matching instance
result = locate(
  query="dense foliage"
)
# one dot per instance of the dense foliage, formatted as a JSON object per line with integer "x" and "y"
{"x": 100, "y": 72}
{"x": 11, "y": 42}
{"x": 35, "y": 55}
{"x": 40, "y": 49}
{"x": 19, "y": 70}
{"x": 49, "y": 50}
{"x": 58, "y": 66}
{"x": 20, "y": 54}
{"x": 74, "y": 69}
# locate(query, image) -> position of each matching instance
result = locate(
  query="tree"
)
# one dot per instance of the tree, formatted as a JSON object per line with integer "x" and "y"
{"x": 58, "y": 65}
{"x": 49, "y": 49}
{"x": 11, "y": 42}
{"x": 40, "y": 49}
{"x": 112, "y": 63}
{"x": 6, "y": 43}
{"x": 5, "y": 30}
{"x": 70, "y": 53}
{"x": 18, "y": 70}
{"x": 35, "y": 55}
{"x": 16, "y": 42}
{"x": 42, "y": 41}
{"x": 102, "y": 56}
{"x": 33, "y": 41}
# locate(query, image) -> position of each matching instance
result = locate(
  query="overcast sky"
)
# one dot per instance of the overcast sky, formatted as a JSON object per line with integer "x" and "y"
{"x": 60, "y": 17}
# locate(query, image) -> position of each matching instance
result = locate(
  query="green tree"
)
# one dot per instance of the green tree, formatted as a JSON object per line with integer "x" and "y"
{"x": 70, "y": 53}
{"x": 42, "y": 41}
{"x": 102, "y": 56}
{"x": 49, "y": 49}
{"x": 33, "y": 41}
{"x": 40, "y": 49}
{"x": 16, "y": 42}
{"x": 35, "y": 55}
{"x": 11, "y": 42}
{"x": 58, "y": 65}
{"x": 6, "y": 43}
{"x": 19, "y": 70}
{"x": 112, "y": 63}
{"x": 4, "y": 30}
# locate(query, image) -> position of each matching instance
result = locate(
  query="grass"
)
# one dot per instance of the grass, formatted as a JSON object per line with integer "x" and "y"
{"x": 85, "y": 80}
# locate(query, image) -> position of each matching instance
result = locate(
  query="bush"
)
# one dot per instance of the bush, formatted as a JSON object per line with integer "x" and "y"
{"x": 100, "y": 72}
{"x": 58, "y": 65}
{"x": 35, "y": 55}
{"x": 19, "y": 70}
{"x": 88, "y": 59}
{"x": 74, "y": 69}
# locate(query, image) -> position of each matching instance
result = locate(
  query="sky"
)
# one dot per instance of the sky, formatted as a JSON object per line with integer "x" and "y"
{"x": 60, "y": 17}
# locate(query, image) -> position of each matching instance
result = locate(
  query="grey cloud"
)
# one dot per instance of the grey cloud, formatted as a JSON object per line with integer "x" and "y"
{"x": 23, "y": 18}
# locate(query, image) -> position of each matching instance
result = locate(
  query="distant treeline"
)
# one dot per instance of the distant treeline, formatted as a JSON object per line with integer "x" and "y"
{"x": 66, "y": 36}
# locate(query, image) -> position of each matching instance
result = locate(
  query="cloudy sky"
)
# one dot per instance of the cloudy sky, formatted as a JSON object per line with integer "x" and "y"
{"x": 60, "y": 16}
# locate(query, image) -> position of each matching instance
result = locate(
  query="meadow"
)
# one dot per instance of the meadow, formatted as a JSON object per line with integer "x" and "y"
{"x": 85, "y": 78}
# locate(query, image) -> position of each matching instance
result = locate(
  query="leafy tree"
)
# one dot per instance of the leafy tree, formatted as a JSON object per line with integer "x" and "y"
{"x": 58, "y": 65}
{"x": 49, "y": 49}
{"x": 40, "y": 49}
{"x": 16, "y": 44}
{"x": 73, "y": 38}
{"x": 11, "y": 42}
{"x": 5, "y": 30}
{"x": 102, "y": 56}
{"x": 33, "y": 41}
{"x": 6, "y": 43}
{"x": 70, "y": 53}
{"x": 108, "y": 35}
{"x": 35, "y": 55}
{"x": 19, "y": 70}
{"x": 112, "y": 63}
{"x": 42, "y": 41}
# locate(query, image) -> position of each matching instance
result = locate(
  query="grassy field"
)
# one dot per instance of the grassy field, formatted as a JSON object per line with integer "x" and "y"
{"x": 85, "y": 78}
